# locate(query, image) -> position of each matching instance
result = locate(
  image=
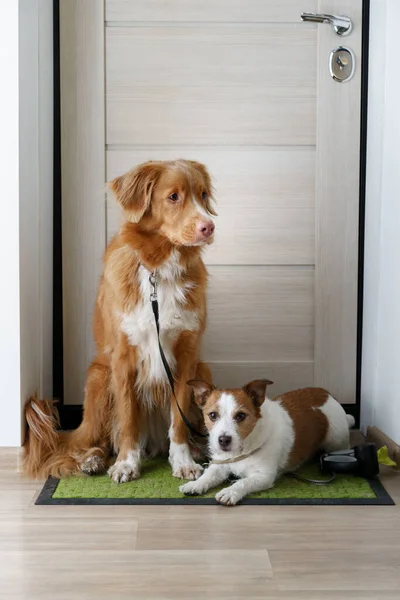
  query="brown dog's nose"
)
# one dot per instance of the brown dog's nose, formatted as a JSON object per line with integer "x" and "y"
{"x": 206, "y": 228}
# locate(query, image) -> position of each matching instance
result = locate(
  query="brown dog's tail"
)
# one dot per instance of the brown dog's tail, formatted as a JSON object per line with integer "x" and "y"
{"x": 47, "y": 452}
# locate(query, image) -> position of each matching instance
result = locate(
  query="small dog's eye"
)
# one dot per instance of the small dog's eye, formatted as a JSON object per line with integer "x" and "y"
{"x": 240, "y": 417}
{"x": 173, "y": 197}
{"x": 213, "y": 416}
{"x": 204, "y": 196}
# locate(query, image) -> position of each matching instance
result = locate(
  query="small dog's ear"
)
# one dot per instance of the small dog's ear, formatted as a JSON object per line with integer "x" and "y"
{"x": 257, "y": 389}
{"x": 201, "y": 390}
{"x": 134, "y": 189}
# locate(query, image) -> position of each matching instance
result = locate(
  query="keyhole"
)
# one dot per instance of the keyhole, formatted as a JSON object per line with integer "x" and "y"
{"x": 342, "y": 61}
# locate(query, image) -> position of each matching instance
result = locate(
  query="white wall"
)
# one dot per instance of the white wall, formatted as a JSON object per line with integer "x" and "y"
{"x": 380, "y": 396}
{"x": 26, "y": 166}
{"x": 9, "y": 238}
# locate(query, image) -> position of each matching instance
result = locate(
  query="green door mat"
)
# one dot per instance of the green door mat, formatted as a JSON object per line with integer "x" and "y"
{"x": 157, "y": 486}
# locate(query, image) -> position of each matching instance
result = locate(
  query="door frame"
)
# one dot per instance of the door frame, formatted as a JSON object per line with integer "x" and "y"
{"x": 71, "y": 414}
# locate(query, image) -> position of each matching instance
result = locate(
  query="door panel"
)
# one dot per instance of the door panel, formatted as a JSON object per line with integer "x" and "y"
{"x": 180, "y": 81}
{"x": 286, "y": 375}
{"x": 245, "y": 88}
{"x": 265, "y": 201}
{"x": 270, "y": 11}
{"x": 260, "y": 314}
{"x": 229, "y": 56}
{"x": 281, "y": 121}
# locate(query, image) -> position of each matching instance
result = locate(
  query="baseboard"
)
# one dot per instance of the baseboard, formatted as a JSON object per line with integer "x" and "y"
{"x": 379, "y": 438}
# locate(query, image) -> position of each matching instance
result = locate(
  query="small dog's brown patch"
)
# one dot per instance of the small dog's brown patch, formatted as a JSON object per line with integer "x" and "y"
{"x": 211, "y": 407}
{"x": 248, "y": 407}
{"x": 310, "y": 424}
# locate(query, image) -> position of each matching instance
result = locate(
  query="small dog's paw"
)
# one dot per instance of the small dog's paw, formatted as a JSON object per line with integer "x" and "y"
{"x": 189, "y": 470}
{"x": 123, "y": 471}
{"x": 228, "y": 497}
{"x": 93, "y": 465}
{"x": 191, "y": 489}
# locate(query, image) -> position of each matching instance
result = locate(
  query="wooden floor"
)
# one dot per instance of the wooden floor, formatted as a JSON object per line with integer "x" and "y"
{"x": 194, "y": 552}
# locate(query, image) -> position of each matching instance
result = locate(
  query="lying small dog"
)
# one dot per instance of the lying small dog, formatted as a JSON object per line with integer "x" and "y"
{"x": 257, "y": 439}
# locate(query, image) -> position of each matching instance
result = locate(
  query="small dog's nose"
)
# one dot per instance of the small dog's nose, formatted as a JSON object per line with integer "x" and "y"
{"x": 206, "y": 228}
{"x": 225, "y": 441}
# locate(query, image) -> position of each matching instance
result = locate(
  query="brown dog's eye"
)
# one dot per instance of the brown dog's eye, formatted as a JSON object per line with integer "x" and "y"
{"x": 173, "y": 197}
{"x": 240, "y": 417}
{"x": 213, "y": 416}
{"x": 204, "y": 196}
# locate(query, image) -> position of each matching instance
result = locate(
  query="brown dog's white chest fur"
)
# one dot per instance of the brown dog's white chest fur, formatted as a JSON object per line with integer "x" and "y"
{"x": 174, "y": 317}
{"x": 256, "y": 438}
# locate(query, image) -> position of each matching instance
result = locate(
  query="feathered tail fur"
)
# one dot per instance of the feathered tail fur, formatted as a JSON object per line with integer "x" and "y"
{"x": 47, "y": 452}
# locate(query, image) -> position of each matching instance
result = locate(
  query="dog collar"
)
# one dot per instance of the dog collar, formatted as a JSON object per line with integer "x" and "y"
{"x": 227, "y": 461}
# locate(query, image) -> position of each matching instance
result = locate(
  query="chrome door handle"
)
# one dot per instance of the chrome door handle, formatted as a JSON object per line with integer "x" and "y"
{"x": 340, "y": 25}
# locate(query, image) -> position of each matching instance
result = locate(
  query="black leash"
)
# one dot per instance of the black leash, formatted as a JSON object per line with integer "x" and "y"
{"x": 156, "y": 312}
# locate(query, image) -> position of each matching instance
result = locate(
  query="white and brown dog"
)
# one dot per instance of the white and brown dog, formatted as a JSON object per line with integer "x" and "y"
{"x": 256, "y": 439}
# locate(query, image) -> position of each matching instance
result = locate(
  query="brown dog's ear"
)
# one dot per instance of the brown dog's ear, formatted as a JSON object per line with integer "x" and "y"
{"x": 256, "y": 390}
{"x": 201, "y": 390}
{"x": 134, "y": 189}
{"x": 206, "y": 176}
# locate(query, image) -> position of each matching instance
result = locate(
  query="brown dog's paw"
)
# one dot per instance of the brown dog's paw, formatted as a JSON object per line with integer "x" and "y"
{"x": 93, "y": 465}
{"x": 182, "y": 463}
{"x": 123, "y": 471}
{"x": 189, "y": 471}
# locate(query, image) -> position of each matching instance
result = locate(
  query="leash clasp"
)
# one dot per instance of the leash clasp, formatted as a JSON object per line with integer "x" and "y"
{"x": 153, "y": 283}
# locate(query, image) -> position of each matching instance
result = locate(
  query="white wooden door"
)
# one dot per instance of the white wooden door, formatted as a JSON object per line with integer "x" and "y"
{"x": 243, "y": 86}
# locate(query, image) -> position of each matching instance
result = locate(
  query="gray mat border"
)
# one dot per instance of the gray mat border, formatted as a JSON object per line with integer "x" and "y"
{"x": 45, "y": 498}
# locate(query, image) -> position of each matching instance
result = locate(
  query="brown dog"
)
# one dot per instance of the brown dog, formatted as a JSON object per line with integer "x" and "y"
{"x": 128, "y": 408}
